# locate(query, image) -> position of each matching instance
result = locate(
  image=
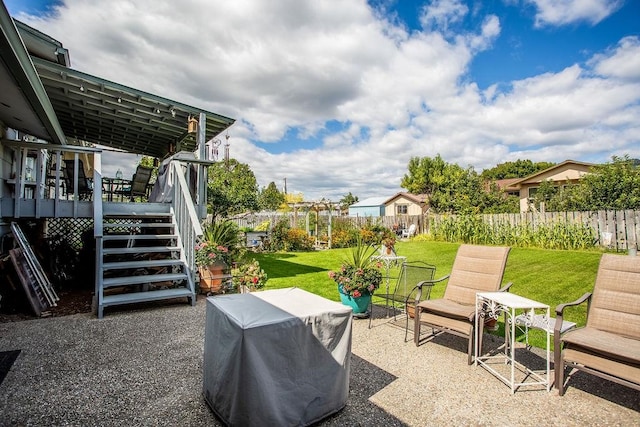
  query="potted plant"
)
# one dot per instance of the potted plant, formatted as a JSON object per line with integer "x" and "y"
{"x": 248, "y": 277}
{"x": 388, "y": 244}
{"x": 358, "y": 277}
{"x": 215, "y": 254}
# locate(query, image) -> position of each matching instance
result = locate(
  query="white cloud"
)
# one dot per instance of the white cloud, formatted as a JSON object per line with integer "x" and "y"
{"x": 622, "y": 62}
{"x": 442, "y": 14}
{"x": 277, "y": 66}
{"x": 563, "y": 12}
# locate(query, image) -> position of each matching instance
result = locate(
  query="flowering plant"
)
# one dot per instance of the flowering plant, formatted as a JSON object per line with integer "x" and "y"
{"x": 356, "y": 282}
{"x": 389, "y": 241}
{"x": 358, "y": 275}
{"x": 249, "y": 276}
{"x": 208, "y": 254}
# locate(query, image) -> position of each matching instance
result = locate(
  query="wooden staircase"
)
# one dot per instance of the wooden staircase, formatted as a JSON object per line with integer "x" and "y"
{"x": 140, "y": 258}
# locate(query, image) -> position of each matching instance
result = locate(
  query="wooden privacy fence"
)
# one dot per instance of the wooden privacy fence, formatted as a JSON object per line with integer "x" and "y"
{"x": 616, "y": 230}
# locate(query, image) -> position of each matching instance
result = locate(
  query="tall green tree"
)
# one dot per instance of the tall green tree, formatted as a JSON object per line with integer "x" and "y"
{"x": 232, "y": 189}
{"x": 347, "y": 200}
{"x": 450, "y": 188}
{"x": 270, "y": 198}
{"x": 517, "y": 169}
{"x": 614, "y": 185}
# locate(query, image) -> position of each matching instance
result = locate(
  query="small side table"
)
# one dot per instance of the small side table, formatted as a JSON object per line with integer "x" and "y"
{"x": 493, "y": 304}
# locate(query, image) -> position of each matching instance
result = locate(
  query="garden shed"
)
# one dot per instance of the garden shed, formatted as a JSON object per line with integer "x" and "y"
{"x": 373, "y": 206}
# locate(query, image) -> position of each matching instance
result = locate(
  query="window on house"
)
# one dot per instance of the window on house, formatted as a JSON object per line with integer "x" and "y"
{"x": 402, "y": 209}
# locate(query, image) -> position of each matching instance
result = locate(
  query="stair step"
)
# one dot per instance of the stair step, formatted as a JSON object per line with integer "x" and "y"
{"x": 134, "y": 297}
{"x": 138, "y": 237}
{"x": 140, "y": 249}
{"x": 138, "y": 224}
{"x": 147, "y": 278}
{"x": 141, "y": 264}
{"x": 139, "y": 215}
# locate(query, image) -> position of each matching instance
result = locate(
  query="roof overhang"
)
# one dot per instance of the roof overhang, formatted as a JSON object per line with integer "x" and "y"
{"x": 24, "y": 104}
{"x": 103, "y": 112}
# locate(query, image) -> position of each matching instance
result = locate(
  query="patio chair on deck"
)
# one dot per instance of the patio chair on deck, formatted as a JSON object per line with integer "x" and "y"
{"x": 140, "y": 182}
{"x": 475, "y": 269}
{"x": 85, "y": 191}
{"x": 609, "y": 345}
{"x": 413, "y": 276}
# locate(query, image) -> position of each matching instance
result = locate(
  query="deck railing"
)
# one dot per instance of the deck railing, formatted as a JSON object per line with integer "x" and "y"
{"x": 38, "y": 175}
{"x": 187, "y": 221}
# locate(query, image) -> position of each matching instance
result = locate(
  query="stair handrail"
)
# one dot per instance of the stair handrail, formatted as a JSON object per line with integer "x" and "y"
{"x": 189, "y": 228}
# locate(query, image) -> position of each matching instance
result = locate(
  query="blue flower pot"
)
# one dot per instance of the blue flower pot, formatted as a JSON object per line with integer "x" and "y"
{"x": 358, "y": 305}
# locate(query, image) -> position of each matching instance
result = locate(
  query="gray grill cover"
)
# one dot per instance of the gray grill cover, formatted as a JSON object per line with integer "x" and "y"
{"x": 276, "y": 358}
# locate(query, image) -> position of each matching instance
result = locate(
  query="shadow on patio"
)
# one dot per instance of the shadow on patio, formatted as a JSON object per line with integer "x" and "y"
{"x": 144, "y": 367}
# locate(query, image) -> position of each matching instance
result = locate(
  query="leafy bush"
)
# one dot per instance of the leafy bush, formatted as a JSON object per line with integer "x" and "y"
{"x": 298, "y": 240}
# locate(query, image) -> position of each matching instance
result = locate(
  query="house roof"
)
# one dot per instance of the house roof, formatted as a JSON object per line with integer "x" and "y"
{"x": 536, "y": 177}
{"x": 418, "y": 199}
{"x": 41, "y": 96}
{"x": 371, "y": 201}
{"x": 506, "y": 183}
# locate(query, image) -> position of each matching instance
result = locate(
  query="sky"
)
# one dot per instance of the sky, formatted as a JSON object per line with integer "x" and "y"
{"x": 336, "y": 96}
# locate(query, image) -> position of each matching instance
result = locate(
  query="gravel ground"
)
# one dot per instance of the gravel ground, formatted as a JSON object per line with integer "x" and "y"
{"x": 144, "y": 367}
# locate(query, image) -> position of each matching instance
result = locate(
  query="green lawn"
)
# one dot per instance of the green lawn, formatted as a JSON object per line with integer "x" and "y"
{"x": 548, "y": 276}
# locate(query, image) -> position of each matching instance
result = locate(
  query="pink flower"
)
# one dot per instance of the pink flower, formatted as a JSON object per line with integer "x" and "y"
{"x": 356, "y": 293}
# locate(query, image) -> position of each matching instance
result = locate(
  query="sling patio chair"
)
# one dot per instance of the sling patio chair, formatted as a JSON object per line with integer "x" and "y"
{"x": 139, "y": 185}
{"x": 85, "y": 190}
{"x": 608, "y": 346}
{"x": 475, "y": 269}
{"x": 413, "y": 275}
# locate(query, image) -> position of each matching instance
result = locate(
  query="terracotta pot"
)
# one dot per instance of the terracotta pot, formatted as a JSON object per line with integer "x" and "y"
{"x": 211, "y": 278}
{"x": 411, "y": 310}
{"x": 491, "y": 324}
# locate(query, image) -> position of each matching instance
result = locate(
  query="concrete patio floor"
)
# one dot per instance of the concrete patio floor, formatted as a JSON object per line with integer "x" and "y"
{"x": 144, "y": 367}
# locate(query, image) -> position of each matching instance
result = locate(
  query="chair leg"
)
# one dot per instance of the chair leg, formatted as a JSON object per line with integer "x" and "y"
{"x": 471, "y": 349}
{"x": 416, "y": 325}
{"x": 558, "y": 367}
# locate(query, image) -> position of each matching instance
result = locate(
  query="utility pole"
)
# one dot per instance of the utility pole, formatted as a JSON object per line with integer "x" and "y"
{"x": 285, "y": 185}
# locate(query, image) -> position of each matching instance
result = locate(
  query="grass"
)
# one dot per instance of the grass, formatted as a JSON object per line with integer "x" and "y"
{"x": 549, "y": 276}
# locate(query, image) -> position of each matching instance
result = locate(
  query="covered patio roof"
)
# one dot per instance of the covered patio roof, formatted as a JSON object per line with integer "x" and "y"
{"x": 42, "y": 97}
{"x": 103, "y": 112}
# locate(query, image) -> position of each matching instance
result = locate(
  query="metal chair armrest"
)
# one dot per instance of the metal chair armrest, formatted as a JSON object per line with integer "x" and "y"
{"x": 560, "y": 307}
{"x": 506, "y": 287}
{"x": 429, "y": 283}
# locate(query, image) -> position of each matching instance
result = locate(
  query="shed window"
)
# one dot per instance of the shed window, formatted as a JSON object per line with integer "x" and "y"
{"x": 402, "y": 209}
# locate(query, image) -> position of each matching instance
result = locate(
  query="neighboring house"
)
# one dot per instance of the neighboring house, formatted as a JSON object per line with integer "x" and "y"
{"x": 568, "y": 172}
{"x": 406, "y": 204}
{"x": 51, "y": 176}
{"x": 506, "y": 185}
{"x": 373, "y": 207}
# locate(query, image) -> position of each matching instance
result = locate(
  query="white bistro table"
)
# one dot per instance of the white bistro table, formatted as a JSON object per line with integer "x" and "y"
{"x": 513, "y": 307}
{"x": 276, "y": 358}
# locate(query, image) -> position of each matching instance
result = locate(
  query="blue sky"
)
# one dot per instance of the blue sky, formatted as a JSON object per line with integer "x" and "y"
{"x": 338, "y": 95}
